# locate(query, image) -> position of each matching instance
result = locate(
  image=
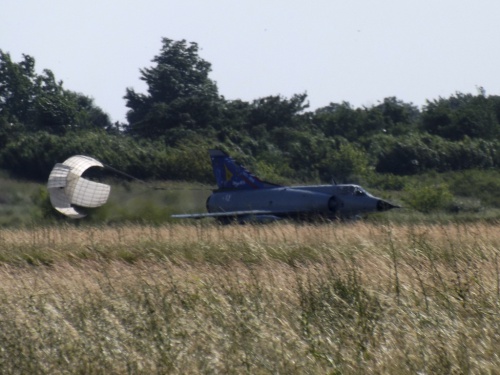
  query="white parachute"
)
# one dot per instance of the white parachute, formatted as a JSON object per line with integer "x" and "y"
{"x": 67, "y": 186}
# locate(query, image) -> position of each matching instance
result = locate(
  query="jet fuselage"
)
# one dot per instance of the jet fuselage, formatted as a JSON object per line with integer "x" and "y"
{"x": 243, "y": 197}
{"x": 325, "y": 200}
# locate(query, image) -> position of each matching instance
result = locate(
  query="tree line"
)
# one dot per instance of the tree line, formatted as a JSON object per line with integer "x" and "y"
{"x": 170, "y": 127}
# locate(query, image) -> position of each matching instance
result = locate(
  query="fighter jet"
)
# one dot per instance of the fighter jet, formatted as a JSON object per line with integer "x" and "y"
{"x": 243, "y": 197}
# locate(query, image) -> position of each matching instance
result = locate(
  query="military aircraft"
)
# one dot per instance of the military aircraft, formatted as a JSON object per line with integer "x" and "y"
{"x": 243, "y": 197}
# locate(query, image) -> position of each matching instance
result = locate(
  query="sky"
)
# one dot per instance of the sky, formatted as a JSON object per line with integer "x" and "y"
{"x": 358, "y": 51}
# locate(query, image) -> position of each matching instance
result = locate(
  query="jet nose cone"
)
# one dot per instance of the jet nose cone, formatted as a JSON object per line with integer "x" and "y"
{"x": 385, "y": 206}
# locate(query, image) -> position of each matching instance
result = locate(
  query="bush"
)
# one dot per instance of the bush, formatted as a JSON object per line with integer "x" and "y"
{"x": 344, "y": 164}
{"x": 428, "y": 198}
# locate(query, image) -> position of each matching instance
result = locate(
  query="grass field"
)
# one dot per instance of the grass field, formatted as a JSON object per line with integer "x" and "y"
{"x": 282, "y": 298}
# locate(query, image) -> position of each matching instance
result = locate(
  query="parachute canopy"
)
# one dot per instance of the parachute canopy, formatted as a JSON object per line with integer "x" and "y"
{"x": 67, "y": 186}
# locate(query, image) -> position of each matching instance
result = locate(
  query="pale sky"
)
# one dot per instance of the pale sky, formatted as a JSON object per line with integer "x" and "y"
{"x": 359, "y": 51}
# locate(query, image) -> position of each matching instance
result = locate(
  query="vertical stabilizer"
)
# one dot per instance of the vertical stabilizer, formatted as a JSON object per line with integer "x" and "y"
{"x": 230, "y": 175}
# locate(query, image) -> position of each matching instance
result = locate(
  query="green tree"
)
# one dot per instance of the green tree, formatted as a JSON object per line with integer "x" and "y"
{"x": 17, "y": 81}
{"x": 409, "y": 154}
{"x": 262, "y": 125}
{"x": 179, "y": 94}
{"x": 276, "y": 111}
{"x": 392, "y": 116}
{"x": 340, "y": 120}
{"x": 345, "y": 163}
{"x": 38, "y": 102}
{"x": 462, "y": 115}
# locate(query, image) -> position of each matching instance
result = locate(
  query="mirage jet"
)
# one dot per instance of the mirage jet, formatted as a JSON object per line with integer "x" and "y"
{"x": 243, "y": 197}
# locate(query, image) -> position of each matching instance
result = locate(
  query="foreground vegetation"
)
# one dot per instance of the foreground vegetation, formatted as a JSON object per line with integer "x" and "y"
{"x": 330, "y": 298}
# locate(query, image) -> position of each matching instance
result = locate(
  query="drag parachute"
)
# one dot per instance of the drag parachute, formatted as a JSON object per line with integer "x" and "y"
{"x": 67, "y": 187}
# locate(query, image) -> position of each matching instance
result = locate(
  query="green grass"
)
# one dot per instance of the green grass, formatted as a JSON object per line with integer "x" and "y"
{"x": 470, "y": 196}
{"x": 282, "y": 298}
{"x": 16, "y": 202}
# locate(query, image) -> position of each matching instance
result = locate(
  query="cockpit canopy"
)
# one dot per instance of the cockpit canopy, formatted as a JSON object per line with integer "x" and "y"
{"x": 352, "y": 190}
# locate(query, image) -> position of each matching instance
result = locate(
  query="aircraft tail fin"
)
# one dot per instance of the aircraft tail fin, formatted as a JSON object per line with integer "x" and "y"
{"x": 230, "y": 175}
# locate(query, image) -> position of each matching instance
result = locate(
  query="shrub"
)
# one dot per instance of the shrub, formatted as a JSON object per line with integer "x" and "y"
{"x": 428, "y": 198}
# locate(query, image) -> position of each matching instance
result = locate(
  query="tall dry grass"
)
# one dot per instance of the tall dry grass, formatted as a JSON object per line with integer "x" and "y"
{"x": 339, "y": 299}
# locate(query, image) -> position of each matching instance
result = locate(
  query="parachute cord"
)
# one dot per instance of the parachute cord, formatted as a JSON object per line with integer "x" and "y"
{"x": 125, "y": 174}
{"x": 148, "y": 185}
